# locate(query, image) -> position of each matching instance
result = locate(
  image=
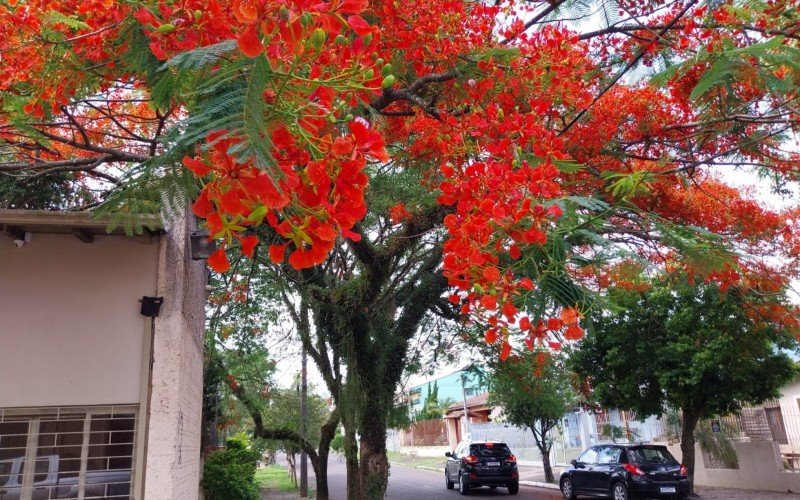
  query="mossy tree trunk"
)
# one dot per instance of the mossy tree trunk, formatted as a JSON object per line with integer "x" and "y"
{"x": 688, "y": 424}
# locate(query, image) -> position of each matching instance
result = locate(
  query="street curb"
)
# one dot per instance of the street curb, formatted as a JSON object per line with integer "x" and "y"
{"x": 538, "y": 484}
{"x": 423, "y": 467}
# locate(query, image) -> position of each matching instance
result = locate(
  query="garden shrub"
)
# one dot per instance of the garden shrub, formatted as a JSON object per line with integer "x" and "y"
{"x": 229, "y": 474}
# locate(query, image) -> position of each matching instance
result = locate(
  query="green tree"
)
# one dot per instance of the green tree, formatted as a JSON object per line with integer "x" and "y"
{"x": 433, "y": 407}
{"x": 693, "y": 348}
{"x": 430, "y": 404}
{"x": 534, "y": 391}
{"x": 62, "y": 191}
{"x": 282, "y": 412}
{"x": 245, "y": 305}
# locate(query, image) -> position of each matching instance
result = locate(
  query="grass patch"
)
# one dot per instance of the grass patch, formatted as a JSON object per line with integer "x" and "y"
{"x": 410, "y": 461}
{"x": 275, "y": 477}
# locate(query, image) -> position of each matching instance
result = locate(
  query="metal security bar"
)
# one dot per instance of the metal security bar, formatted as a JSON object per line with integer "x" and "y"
{"x": 76, "y": 452}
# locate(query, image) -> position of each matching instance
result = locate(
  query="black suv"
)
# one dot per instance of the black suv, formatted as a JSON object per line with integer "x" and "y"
{"x": 622, "y": 471}
{"x": 475, "y": 464}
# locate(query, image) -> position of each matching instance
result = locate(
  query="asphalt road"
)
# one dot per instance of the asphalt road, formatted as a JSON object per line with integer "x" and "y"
{"x": 406, "y": 483}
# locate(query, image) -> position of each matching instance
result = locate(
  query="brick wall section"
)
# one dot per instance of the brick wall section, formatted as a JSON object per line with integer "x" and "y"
{"x": 172, "y": 466}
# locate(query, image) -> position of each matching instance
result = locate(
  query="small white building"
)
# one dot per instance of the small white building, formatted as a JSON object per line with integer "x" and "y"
{"x": 784, "y": 419}
{"x": 99, "y": 396}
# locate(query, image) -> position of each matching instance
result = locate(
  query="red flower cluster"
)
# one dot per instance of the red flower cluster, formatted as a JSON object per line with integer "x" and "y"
{"x": 310, "y": 205}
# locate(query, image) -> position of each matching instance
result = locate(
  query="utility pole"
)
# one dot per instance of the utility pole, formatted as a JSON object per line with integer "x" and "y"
{"x": 303, "y": 425}
{"x": 466, "y": 413}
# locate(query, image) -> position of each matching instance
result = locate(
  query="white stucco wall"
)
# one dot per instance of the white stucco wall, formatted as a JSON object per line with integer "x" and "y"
{"x": 790, "y": 409}
{"x": 173, "y": 437}
{"x": 760, "y": 468}
{"x": 70, "y": 328}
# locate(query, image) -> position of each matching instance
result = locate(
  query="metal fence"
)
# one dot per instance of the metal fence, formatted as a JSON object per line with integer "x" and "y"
{"x": 522, "y": 443}
{"x": 775, "y": 421}
{"x": 623, "y": 426}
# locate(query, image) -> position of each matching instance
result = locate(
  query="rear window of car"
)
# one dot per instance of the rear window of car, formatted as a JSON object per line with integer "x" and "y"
{"x": 651, "y": 455}
{"x": 489, "y": 450}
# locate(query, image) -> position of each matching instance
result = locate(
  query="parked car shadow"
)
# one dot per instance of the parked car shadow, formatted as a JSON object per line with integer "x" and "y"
{"x": 483, "y": 492}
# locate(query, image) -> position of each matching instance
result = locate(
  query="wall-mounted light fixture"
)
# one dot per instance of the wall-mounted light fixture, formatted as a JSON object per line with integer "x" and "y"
{"x": 201, "y": 246}
{"x": 151, "y": 306}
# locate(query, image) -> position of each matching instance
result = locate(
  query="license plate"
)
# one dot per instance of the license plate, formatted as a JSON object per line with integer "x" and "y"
{"x": 667, "y": 489}
{"x": 493, "y": 464}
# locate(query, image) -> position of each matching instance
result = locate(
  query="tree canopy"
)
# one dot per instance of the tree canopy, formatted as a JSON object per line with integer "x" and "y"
{"x": 535, "y": 392}
{"x": 684, "y": 346}
{"x": 508, "y": 114}
{"x": 689, "y": 347}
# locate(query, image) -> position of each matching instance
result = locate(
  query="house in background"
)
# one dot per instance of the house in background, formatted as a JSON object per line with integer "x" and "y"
{"x": 457, "y": 419}
{"x": 784, "y": 420}
{"x": 456, "y": 386}
{"x": 100, "y": 390}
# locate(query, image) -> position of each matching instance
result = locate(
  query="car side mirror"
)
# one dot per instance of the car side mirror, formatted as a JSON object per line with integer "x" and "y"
{"x": 448, "y": 454}
{"x": 573, "y": 462}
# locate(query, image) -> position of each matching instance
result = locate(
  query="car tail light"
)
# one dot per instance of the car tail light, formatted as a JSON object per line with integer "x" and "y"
{"x": 471, "y": 459}
{"x": 512, "y": 458}
{"x": 633, "y": 470}
{"x": 684, "y": 470}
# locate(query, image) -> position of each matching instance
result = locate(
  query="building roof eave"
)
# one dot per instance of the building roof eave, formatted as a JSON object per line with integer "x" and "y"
{"x": 81, "y": 224}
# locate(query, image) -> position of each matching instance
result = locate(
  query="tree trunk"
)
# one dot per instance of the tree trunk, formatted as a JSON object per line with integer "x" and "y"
{"x": 320, "y": 465}
{"x": 548, "y": 468}
{"x": 351, "y": 463}
{"x": 208, "y": 438}
{"x": 374, "y": 463}
{"x": 540, "y": 429}
{"x": 689, "y": 422}
{"x": 292, "y": 471}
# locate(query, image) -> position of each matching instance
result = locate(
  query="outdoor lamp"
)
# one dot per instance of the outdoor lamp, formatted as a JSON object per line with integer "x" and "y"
{"x": 202, "y": 246}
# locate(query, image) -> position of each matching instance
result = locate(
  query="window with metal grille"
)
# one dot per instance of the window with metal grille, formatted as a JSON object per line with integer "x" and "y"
{"x": 80, "y": 452}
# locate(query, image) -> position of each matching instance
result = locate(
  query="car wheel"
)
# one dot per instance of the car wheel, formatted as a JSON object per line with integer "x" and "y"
{"x": 568, "y": 489}
{"x": 463, "y": 487}
{"x": 513, "y": 488}
{"x": 619, "y": 491}
{"x": 447, "y": 482}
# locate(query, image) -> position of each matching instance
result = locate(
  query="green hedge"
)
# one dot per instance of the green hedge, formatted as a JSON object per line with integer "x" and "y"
{"x": 229, "y": 474}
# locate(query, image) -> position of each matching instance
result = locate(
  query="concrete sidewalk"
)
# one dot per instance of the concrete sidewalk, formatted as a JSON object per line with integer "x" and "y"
{"x": 536, "y": 474}
{"x": 731, "y": 494}
{"x": 278, "y": 495}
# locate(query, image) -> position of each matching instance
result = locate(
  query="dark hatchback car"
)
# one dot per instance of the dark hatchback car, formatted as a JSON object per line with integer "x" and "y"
{"x": 625, "y": 471}
{"x": 474, "y": 464}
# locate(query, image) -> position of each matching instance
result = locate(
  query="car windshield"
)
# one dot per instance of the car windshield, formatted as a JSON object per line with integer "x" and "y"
{"x": 652, "y": 455}
{"x": 489, "y": 450}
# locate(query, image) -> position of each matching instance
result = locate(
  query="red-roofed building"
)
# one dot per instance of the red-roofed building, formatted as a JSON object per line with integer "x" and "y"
{"x": 478, "y": 411}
